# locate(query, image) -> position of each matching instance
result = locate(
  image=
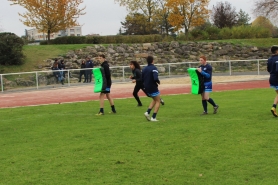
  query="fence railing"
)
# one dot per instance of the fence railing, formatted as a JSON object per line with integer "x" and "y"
{"x": 46, "y": 79}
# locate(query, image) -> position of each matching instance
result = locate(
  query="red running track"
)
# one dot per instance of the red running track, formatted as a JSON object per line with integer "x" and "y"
{"x": 85, "y": 93}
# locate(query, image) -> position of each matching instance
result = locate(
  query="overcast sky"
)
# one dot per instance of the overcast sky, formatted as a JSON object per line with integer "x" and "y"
{"x": 102, "y": 16}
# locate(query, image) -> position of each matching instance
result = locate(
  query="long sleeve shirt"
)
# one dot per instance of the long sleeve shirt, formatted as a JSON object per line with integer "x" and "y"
{"x": 137, "y": 75}
{"x": 106, "y": 69}
{"x": 272, "y": 68}
{"x": 150, "y": 78}
{"x": 206, "y": 72}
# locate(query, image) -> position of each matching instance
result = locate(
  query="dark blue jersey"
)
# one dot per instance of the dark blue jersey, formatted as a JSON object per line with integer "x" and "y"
{"x": 206, "y": 72}
{"x": 272, "y": 68}
{"x": 150, "y": 78}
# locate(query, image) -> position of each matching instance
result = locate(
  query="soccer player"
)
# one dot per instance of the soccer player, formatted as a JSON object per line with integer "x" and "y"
{"x": 137, "y": 78}
{"x": 105, "y": 66}
{"x": 206, "y": 71}
{"x": 272, "y": 68}
{"x": 151, "y": 82}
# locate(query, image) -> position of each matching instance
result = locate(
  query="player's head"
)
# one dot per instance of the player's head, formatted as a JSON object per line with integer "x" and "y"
{"x": 274, "y": 49}
{"x": 203, "y": 60}
{"x": 150, "y": 59}
{"x": 134, "y": 65}
{"x": 101, "y": 58}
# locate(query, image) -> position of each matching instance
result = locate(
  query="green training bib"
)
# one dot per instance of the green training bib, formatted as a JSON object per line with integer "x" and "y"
{"x": 197, "y": 81}
{"x": 99, "y": 78}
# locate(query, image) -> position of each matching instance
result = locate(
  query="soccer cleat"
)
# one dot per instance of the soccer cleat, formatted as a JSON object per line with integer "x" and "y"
{"x": 100, "y": 114}
{"x": 153, "y": 119}
{"x": 147, "y": 115}
{"x": 273, "y": 111}
{"x": 204, "y": 113}
{"x": 139, "y": 105}
{"x": 215, "y": 109}
{"x": 161, "y": 101}
{"x": 112, "y": 112}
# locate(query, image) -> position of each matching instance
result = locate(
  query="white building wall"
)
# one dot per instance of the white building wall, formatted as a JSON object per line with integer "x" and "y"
{"x": 34, "y": 34}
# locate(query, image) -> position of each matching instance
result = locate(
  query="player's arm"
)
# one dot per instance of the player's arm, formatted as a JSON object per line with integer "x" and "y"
{"x": 155, "y": 76}
{"x": 107, "y": 72}
{"x": 208, "y": 72}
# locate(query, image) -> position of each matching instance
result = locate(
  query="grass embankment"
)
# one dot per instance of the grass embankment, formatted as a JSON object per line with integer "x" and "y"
{"x": 68, "y": 144}
{"x": 36, "y": 54}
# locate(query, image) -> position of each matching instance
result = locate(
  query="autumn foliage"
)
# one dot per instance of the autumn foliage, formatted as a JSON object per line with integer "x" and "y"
{"x": 185, "y": 14}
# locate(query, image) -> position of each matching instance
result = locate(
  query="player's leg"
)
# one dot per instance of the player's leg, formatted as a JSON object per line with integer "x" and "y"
{"x": 135, "y": 94}
{"x": 208, "y": 89}
{"x": 156, "y": 100}
{"x": 155, "y": 103}
{"x": 273, "y": 109}
{"x": 101, "y": 104}
{"x": 111, "y": 101}
{"x": 205, "y": 96}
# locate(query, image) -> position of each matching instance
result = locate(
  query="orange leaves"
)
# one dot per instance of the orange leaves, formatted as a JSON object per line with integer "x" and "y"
{"x": 187, "y": 13}
{"x": 50, "y": 15}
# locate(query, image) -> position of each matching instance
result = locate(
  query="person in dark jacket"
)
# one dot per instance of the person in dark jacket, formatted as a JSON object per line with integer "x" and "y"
{"x": 57, "y": 73}
{"x": 82, "y": 72}
{"x": 88, "y": 73}
{"x": 272, "y": 68}
{"x": 206, "y": 71}
{"x": 61, "y": 66}
{"x": 151, "y": 81}
{"x": 105, "y": 66}
{"x": 137, "y": 78}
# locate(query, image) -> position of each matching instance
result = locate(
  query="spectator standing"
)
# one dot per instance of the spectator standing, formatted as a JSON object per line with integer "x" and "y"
{"x": 82, "y": 72}
{"x": 57, "y": 73}
{"x": 62, "y": 66}
{"x": 88, "y": 73}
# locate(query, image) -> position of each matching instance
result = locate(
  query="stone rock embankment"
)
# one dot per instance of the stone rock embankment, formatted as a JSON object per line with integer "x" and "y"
{"x": 174, "y": 52}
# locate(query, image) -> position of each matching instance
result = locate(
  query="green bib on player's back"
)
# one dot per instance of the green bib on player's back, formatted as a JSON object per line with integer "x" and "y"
{"x": 197, "y": 83}
{"x": 100, "y": 81}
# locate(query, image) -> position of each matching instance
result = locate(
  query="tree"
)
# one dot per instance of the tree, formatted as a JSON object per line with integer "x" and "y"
{"x": 224, "y": 15}
{"x": 11, "y": 49}
{"x": 136, "y": 24}
{"x": 264, "y": 22}
{"x": 144, "y": 7}
{"x": 50, "y": 16}
{"x": 266, "y": 8}
{"x": 243, "y": 18}
{"x": 161, "y": 17}
{"x": 185, "y": 14}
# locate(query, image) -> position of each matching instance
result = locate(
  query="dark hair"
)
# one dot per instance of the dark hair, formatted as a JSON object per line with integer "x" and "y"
{"x": 62, "y": 61}
{"x": 102, "y": 55}
{"x": 136, "y": 64}
{"x": 150, "y": 59}
{"x": 274, "y": 49}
